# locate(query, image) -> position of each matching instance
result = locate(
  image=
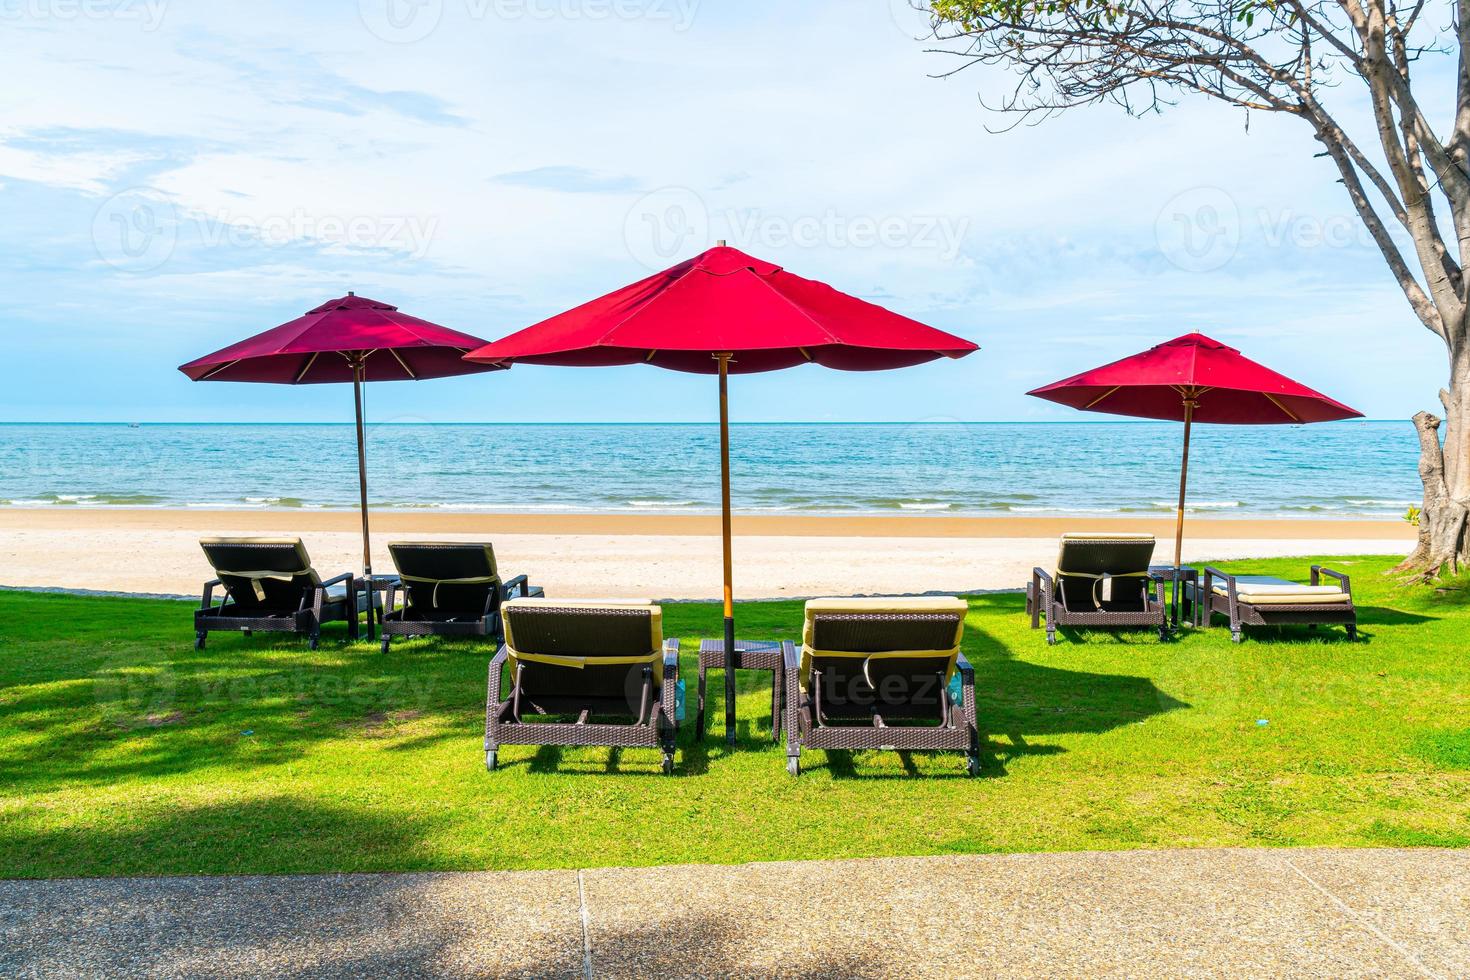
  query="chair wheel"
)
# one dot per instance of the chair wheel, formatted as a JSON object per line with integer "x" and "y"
{"x": 793, "y": 766}
{"x": 972, "y": 765}
{"x": 668, "y": 763}
{"x": 384, "y": 645}
{"x": 1051, "y": 639}
{"x": 199, "y": 640}
{"x": 490, "y": 760}
{"x": 314, "y": 642}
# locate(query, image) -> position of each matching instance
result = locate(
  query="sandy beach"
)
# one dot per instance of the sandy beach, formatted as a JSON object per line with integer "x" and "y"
{"x": 638, "y": 555}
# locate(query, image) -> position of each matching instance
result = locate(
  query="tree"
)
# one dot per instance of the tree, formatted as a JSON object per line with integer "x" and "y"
{"x": 1407, "y": 181}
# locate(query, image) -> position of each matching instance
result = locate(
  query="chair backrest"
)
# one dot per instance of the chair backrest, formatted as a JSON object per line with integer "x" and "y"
{"x": 889, "y": 653}
{"x": 594, "y": 648}
{"x": 455, "y": 578}
{"x": 262, "y": 573}
{"x": 1084, "y": 559}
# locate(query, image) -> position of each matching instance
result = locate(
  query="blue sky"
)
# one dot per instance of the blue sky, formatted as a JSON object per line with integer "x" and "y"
{"x": 175, "y": 176}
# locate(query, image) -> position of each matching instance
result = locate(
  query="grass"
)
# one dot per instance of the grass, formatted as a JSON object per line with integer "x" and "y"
{"x": 122, "y": 751}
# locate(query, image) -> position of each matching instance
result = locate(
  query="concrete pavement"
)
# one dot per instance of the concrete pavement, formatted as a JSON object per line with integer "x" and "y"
{"x": 1327, "y": 912}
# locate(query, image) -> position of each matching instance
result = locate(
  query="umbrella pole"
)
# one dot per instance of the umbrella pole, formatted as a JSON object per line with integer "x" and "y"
{"x": 367, "y": 551}
{"x": 724, "y": 360}
{"x": 1189, "y": 404}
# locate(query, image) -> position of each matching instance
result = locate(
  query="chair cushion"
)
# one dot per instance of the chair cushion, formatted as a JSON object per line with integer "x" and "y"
{"x": 1267, "y": 590}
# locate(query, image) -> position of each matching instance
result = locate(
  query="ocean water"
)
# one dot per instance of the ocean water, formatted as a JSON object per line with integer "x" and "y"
{"x": 1349, "y": 469}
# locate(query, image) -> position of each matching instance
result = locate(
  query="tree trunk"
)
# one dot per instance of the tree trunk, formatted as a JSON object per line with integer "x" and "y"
{"x": 1444, "y": 544}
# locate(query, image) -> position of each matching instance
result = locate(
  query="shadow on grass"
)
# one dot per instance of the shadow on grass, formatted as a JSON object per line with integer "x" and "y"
{"x": 289, "y": 835}
{"x": 138, "y": 705}
{"x": 1386, "y": 616}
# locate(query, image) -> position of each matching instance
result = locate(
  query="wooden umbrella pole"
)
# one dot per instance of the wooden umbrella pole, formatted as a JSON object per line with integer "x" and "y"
{"x": 367, "y": 551}
{"x": 725, "y": 535}
{"x": 1189, "y": 406}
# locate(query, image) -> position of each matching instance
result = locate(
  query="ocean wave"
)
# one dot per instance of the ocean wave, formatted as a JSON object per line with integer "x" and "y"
{"x": 662, "y": 504}
{"x": 913, "y": 505}
{"x": 275, "y": 501}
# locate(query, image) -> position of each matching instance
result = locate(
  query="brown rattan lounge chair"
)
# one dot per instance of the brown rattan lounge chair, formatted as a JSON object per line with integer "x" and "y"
{"x": 866, "y": 664}
{"x": 603, "y": 666}
{"x": 449, "y": 588}
{"x": 1101, "y": 581}
{"x": 1261, "y": 600}
{"x": 270, "y": 587}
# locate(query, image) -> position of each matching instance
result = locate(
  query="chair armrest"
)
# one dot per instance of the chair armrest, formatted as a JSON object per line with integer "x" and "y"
{"x": 1040, "y": 574}
{"x": 967, "y": 672}
{"x": 1342, "y": 580}
{"x": 496, "y": 663}
{"x": 521, "y": 582}
{"x": 790, "y": 656}
{"x": 1213, "y": 573}
{"x": 671, "y": 658}
{"x": 207, "y": 598}
{"x": 344, "y": 577}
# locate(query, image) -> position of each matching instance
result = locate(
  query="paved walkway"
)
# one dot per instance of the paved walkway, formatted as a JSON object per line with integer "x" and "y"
{"x": 1340, "y": 913}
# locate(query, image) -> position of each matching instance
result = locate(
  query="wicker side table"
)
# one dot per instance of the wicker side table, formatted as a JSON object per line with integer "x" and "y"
{"x": 749, "y": 655}
{"x": 1188, "y": 582}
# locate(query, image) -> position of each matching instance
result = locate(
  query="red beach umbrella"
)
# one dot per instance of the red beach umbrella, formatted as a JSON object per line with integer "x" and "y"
{"x": 724, "y": 312}
{"x": 1195, "y": 379}
{"x": 352, "y": 339}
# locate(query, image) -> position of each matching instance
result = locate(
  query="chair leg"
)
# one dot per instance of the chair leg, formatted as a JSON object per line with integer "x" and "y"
{"x": 699, "y": 715}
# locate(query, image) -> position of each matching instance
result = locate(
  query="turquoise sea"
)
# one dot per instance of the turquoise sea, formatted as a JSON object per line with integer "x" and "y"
{"x": 1349, "y": 469}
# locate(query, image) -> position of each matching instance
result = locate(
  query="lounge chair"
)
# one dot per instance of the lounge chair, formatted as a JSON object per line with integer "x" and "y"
{"x": 1262, "y": 600}
{"x": 449, "y": 588}
{"x": 864, "y": 664}
{"x": 1101, "y": 581}
{"x": 270, "y": 587}
{"x": 603, "y": 663}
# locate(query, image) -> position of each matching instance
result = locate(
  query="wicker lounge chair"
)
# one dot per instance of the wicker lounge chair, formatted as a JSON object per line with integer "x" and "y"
{"x": 864, "y": 664}
{"x": 1261, "y": 600}
{"x": 269, "y": 586}
{"x": 589, "y": 661}
{"x": 1101, "y": 581}
{"x": 449, "y": 588}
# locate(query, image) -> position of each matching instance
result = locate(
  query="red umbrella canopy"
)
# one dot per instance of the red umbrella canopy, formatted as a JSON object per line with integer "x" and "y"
{"x": 724, "y": 301}
{"x": 323, "y": 345}
{"x": 1226, "y": 386}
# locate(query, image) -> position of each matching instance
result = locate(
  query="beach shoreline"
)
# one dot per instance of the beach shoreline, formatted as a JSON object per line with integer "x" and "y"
{"x": 280, "y": 520}
{"x": 642, "y": 555}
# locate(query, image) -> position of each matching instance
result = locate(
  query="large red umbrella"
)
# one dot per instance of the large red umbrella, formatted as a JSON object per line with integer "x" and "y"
{"x": 352, "y": 339}
{"x": 725, "y": 312}
{"x": 1194, "y": 379}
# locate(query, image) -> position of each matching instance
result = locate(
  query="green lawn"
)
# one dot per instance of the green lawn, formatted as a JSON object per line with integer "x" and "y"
{"x": 122, "y": 751}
